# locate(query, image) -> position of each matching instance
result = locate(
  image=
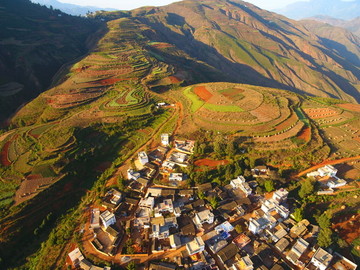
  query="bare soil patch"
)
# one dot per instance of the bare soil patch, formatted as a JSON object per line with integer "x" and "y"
{"x": 317, "y": 113}
{"x": 348, "y": 227}
{"x": 305, "y": 134}
{"x": 210, "y": 163}
{"x": 350, "y": 106}
{"x": 202, "y": 93}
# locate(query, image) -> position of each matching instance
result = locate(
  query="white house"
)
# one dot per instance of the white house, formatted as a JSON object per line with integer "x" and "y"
{"x": 165, "y": 139}
{"x": 321, "y": 259}
{"x": 256, "y": 226}
{"x": 148, "y": 202}
{"x": 178, "y": 157}
{"x": 205, "y": 216}
{"x": 237, "y": 183}
{"x": 168, "y": 164}
{"x": 132, "y": 175}
{"x": 116, "y": 197}
{"x": 336, "y": 182}
{"x": 107, "y": 218}
{"x": 195, "y": 246}
{"x": 297, "y": 250}
{"x": 280, "y": 195}
{"x": 327, "y": 170}
{"x": 176, "y": 177}
{"x": 246, "y": 263}
{"x": 165, "y": 206}
{"x": 143, "y": 158}
{"x": 175, "y": 241}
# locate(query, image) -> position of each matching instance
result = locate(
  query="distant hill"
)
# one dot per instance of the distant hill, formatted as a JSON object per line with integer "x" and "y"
{"x": 34, "y": 43}
{"x": 334, "y": 8}
{"x": 70, "y": 8}
{"x": 351, "y": 25}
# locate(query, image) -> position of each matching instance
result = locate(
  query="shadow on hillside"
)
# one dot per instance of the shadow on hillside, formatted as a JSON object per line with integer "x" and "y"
{"x": 222, "y": 69}
{"x": 213, "y": 66}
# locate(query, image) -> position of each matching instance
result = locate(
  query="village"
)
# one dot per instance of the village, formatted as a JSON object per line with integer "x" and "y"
{"x": 170, "y": 226}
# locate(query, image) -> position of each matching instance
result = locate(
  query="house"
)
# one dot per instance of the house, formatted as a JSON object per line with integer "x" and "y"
{"x": 327, "y": 170}
{"x": 143, "y": 158}
{"x": 95, "y": 218}
{"x": 76, "y": 257}
{"x": 178, "y": 158}
{"x": 176, "y": 177}
{"x": 175, "y": 241}
{"x": 245, "y": 263}
{"x": 269, "y": 206}
{"x": 300, "y": 228}
{"x": 107, "y": 218}
{"x": 297, "y": 250}
{"x": 227, "y": 253}
{"x": 256, "y": 226}
{"x": 165, "y": 139}
{"x": 336, "y": 183}
{"x": 160, "y": 232}
{"x": 205, "y": 216}
{"x": 282, "y": 244}
{"x": 277, "y": 233}
{"x": 339, "y": 263}
{"x": 132, "y": 175}
{"x": 240, "y": 183}
{"x": 143, "y": 182}
{"x": 321, "y": 259}
{"x": 148, "y": 202}
{"x": 224, "y": 227}
{"x": 280, "y": 195}
{"x": 185, "y": 146}
{"x": 186, "y": 192}
{"x": 116, "y": 197}
{"x": 260, "y": 171}
{"x": 195, "y": 246}
{"x": 241, "y": 240}
{"x": 165, "y": 206}
{"x": 168, "y": 164}
{"x": 204, "y": 188}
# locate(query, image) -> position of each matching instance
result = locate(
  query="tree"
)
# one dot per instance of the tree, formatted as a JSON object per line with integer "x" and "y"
{"x": 298, "y": 214}
{"x": 324, "y": 220}
{"x": 228, "y": 173}
{"x": 218, "y": 149}
{"x": 238, "y": 169}
{"x": 230, "y": 148}
{"x": 213, "y": 202}
{"x": 131, "y": 266}
{"x": 269, "y": 185}
{"x": 325, "y": 238}
{"x": 239, "y": 229}
{"x": 307, "y": 188}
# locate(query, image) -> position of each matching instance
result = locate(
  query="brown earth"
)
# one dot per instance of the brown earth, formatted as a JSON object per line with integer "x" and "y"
{"x": 350, "y": 106}
{"x": 174, "y": 79}
{"x": 320, "y": 113}
{"x": 305, "y": 134}
{"x": 348, "y": 227}
{"x": 202, "y": 93}
{"x": 210, "y": 163}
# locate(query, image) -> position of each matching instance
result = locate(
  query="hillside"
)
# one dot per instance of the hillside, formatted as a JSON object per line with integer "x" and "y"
{"x": 254, "y": 46}
{"x": 346, "y": 10}
{"x": 66, "y": 147}
{"x": 351, "y": 25}
{"x": 35, "y": 43}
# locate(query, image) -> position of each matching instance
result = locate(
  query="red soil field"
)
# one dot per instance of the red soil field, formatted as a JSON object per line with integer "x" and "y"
{"x": 202, "y": 93}
{"x": 305, "y": 134}
{"x": 349, "y": 106}
{"x": 108, "y": 81}
{"x": 349, "y": 228}
{"x": 357, "y": 139}
{"x": 174, "y": 79}
{"x": 162, "y": 45}
{"x": 4, "y": 154}
{"x": 232, "y": 93}
{"x": 210, "y": 163}
{"x": 320, "y": 113}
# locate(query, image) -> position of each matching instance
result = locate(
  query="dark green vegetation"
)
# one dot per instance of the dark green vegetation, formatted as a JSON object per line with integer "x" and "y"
{"x": 35, "y": 43}
{"x": 65, "y": 145}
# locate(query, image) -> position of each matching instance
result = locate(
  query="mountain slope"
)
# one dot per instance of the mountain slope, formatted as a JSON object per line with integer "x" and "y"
{"x": 351, "y": 25}
{"x": 35, "y": 42}
{"x": 254, "y": 46}
{"x": 334, "y": 8}
{"x": 70, "y": 8}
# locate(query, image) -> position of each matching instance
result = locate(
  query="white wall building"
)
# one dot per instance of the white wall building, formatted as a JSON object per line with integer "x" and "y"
{"x": 165, "y": 139}
{"x": 256, "y": 226}
{"x": 195, "y": 246}
{"x": 143, "y": 158}
{"x": 321, "y": 259}
{"x": 205, "y": 216}
{"x": 107, "y": 218}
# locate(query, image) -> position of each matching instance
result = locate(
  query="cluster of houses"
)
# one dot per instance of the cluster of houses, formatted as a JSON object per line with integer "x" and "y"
{"x": 326, "y": 176}
{"x": 242, "y": 231}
